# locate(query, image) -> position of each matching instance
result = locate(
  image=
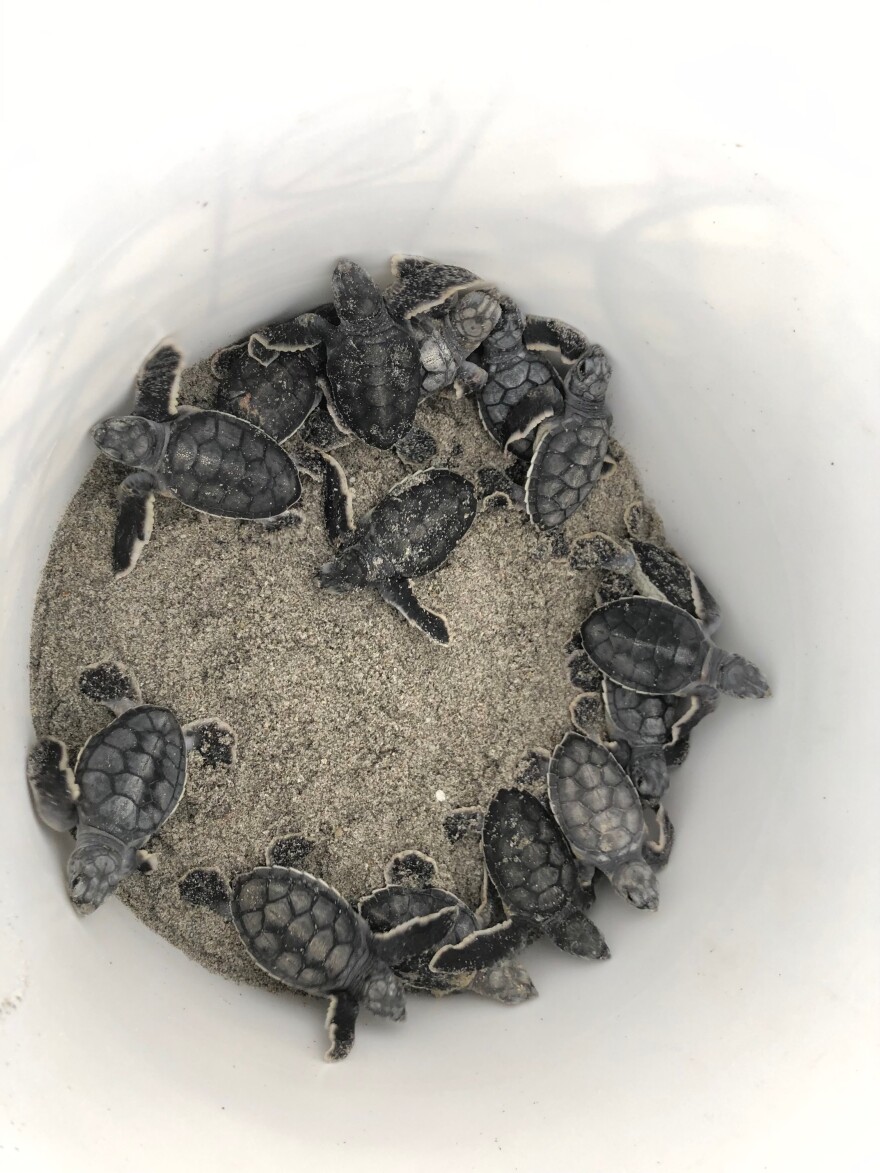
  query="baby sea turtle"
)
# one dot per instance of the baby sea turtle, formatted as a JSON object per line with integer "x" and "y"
{"x": 653, "y": 647}
{"x": 127, "y": 782}
{"x": 600, "y": 814}
{"x": 412, "y": 531}
{"x": 211, "y": 461}
{"x": 301, "y": 932}
{"x": 522, "y": 388}
{"x": 535, "y": 876}
{"x": 412, "y": 890}
{"x": 652, "y": 570}
{"x": 373, "y": 360}
{"x": 571, "y": 447}
{"x": 447, "y": 341}
{"x": 277, "y": 396}
{"x": 648, "y": 725}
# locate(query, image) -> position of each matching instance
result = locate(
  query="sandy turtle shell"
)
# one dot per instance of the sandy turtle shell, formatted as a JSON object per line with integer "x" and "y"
{"x": 416, "y": 527}
{"x": 219, "y": 464}
{"x": 277, "y": 398}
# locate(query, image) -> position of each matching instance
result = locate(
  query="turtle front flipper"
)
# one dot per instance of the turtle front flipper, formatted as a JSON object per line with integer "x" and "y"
{"x": 553, "y": 334}
{"x": 531, "y": 411}
{"x": 574, "y": 932}
{"x": 158, "y": 383}
{"x": 342, "y": 1015}
{"x": 338, "y": 515}
{"x": 660, "y": 836}
{"x": 300, "y": 333}
{"x": 420, "y": 284}
{"x": 398, "y": 593}
{"x": 52, "y": 784}
{"x": 415, "y": 936}
{"x": 707, "y": 607}
{"x": 417, "y": 447}
{"x": 213, "y": 739}
{"x": 483, "y": 948}
{"x": 206, "y": 888}
{"x": 134, "y": 521}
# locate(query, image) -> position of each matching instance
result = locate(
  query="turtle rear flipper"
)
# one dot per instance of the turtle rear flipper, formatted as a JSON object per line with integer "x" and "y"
{"x": 341, "y": 1018}
{"x": 112, "y": 684}
{"x": 575, "y": 933}
{"x": 398, "y": 593}
{"x": 415, "y": 936}
{"x": 483, "y": 948}
{"x": 134, "y": 521}
{"x": 418, "y": 446}
{"x": 206, "y": 888}
{"x": 52, "y": 784}
{"x": 553, "y": 334}
{"x": 299, "y": 333}
{"x": 213, "y": 739}
{"x": 506, "y": 981}
{"x": 158, "y": 383}
{"x": 419, "y": 284}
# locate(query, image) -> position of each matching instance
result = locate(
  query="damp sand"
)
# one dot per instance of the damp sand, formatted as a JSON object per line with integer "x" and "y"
{"x": 353, "y": 729}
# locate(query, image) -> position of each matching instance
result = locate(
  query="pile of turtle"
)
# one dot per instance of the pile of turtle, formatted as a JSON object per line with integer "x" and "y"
{"x": 643, "y": 663}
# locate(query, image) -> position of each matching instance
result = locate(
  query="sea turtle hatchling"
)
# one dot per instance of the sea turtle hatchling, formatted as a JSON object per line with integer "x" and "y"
{"x": 301, "y": 932}
{"x": 653, "y": 571}
{"x": 599, "y": 812}
{"x": 411, "y": 532}
{"x": 446, "y": 342}
{"x": 209, "y": 460}
{"x": 522, "y": 389}
{"x": 531, "y": 869}
{"x": 277, "y": 396}
{"x": 570, "y": 449}
{"x": 126, "y": 782}
{"x": 412, "y": 890}
{"x": 653, "y": 647}
{"x": 373, "y": 359}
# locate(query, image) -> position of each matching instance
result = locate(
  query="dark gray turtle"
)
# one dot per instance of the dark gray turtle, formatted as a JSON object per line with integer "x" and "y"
{"x": 656, "y": 648}
{"x": 411, "y": 532}
{"x": 447, "y": 341}
{"x": 534, "y": 875}
{"x": 600, "y": 814}
{"x": 301, "y": 932}
{"x": 570, "y": 449}
{"x": 127, "y": 782}
{"x": 277, "y": 397}
{"x": 522, "y": 389}
{"x": 412, "y": 890}
{"x": 652, "y": 570}
{"x": 373, "y": 360}
{"x": 211, "y": 461}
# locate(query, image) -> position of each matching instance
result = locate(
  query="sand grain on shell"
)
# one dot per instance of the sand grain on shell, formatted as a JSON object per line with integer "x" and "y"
{"x": 349, "y": 721}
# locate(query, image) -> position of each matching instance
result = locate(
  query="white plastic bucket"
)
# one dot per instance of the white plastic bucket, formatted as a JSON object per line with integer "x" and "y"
{"x": 697, "y": 203}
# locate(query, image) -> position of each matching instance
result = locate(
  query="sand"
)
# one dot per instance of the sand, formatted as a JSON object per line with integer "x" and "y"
{"x": 353, "y": 729}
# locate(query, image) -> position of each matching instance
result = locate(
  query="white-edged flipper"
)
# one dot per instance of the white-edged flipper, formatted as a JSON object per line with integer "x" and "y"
{"x": 415, "y": 936}
{"x": 300, "y": 333}
{"x": 398, "y": 593}
{"x": 134, "y": 521}
{"x": 342, "y": 1015}
{"x": 52, "y": 784}
{"x": 338, "y": 515}
{"x": 532, "y": 410}
{"x": 158, "y": 383}
{"x": 483, "y": 948}
{"x": 419, "y": 284}
{"x": 552, "y": 334}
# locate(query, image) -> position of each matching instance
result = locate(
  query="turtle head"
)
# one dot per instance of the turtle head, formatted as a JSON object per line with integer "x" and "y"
{"x": 637, "y": 882}
{"x": 131, "y": 440}
{"x": 93, "y": 873}
{"x": 383, "y": 994}
{"x": 345, "y": 573}
{"x": 738, "y": 677}
{"x": 587, "y": 381}
{"x": 506, "y": 981}
{"x": 355, "y": 294}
